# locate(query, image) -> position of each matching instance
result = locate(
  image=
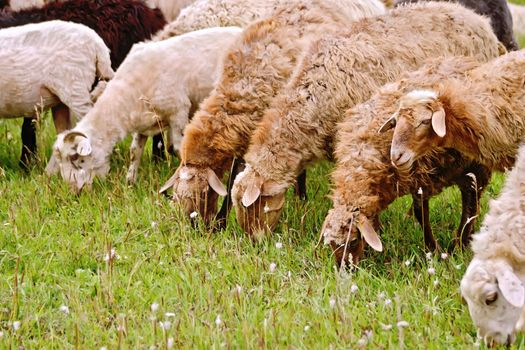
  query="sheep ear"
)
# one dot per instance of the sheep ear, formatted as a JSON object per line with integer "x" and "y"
{"x": 369, "y": 234}
{"x": 389, "y": 124}
{"x": 216, "y": 184}
{"x": 275, "y": 202}
{"x": 168, "y": 183}
{"x": 438, "y": 122}
{"x": 511, "y": 287}
{"x": 253, "y": 191}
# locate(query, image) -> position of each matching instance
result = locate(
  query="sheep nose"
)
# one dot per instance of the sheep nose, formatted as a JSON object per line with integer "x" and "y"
{"x": 395, "y": 157}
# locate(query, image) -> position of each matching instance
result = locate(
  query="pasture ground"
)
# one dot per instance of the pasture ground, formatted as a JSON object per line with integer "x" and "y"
{"x": 119, "y": 267}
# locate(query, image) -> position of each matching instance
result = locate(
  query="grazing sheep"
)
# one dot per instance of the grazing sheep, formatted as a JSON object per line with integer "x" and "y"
{"x": 47, "y": 64}
{"x": 493, "y": 285}
{"x": 498, "y": 12}
{"x": 255, "y": 70}
{"x": 219, "y": 13}
{"x": 17, "y": 5}
{"x": 482, "y": 115}
{"x": 120, "y": 23}
{"x": 138, "y": 101}
{"x": 518, "y": 18}
{"x": 365, "y": 182}
{"x": 339, "y": 72}
{"x": 170, "y": 8}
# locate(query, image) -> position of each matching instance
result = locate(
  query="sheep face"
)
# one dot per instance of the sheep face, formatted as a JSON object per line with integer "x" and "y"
{"x": 419, "y": 126}
{"x": 346, "y": 232}
{"x": 258, "y": 203}
{"x": 197, "y": 189}
{"x": 495, "y": 298}
{"x": 77, "y": 161}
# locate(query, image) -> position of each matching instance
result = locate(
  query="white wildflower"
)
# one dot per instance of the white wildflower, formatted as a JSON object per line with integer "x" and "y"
{"x": 431, "y": 271}
{"x": 386, "y": 327}
{"x": 170, "y": 314}
{"x": 16, "y": 325}
{"x": 103, "y": 348}
{"x": 407, "y": 263}
{"x": 381, "y": 295}
{"x": 458, "y": 266}
{"x": 306, "y": 328}
{"x": 120, "y": 328}
{"x": 193, "y": 214}
{"x": 332, "y": 303}
{"x": 159, "y": 145}
{"x": 170, "y": 343}
{"x": 420, "y": 191}
{"x": 289, "y": 274}
{"x": 388, "y": 302}
{"x": 1, "y": 334}
{"x": 278, "y": 245}
{"x": 444, "y": 256}
{"x": 353, "y": 289}
{"x": 436, "y": 282}
{"x": 429, "y": 255}
{"x": 238, "y": 289}
{"x": 403, "y": 324}
{"x": 273, "y": 266}
{"x": 369, "y": 333}
{"x": 362, "y": 342}
{"x": 218, "y": 320}
{"x": 9, "y": 136}
{"x": 154, "y": 224}
{"x": 112, "y": 255}
{"x": 64, "y": 309}
{"x": 266, "y": 208}
{"x": 166, "y": 325}
{"x": 154, "y": 307}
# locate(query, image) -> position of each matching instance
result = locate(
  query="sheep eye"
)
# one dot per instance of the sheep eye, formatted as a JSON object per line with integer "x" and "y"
{"x": 491, "y": 298}
{"x": 425, "y": 122}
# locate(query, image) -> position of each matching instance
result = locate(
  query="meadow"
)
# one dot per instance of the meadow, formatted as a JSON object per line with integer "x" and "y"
{"x": 120, "y": 267}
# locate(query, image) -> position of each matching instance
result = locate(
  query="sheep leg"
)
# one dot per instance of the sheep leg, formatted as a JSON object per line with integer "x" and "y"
{"x": 471, "y": 184}
{"x": 220, "y": 218}
{"x": 300, "y": 185}
{"x": 28, "y": 142}
{"x": 136, "y": 150}
{"x": 421, "y": 212}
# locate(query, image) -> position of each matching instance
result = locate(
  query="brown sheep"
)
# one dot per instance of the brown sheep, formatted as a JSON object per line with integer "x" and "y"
{"x": 481, "y": 115}
{"x": 365, "y": 182}
{"x": 255, "y": 70}
{"x": 339, "y": 72}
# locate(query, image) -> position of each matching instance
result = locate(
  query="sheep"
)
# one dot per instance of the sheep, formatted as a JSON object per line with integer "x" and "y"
{"x": 497, "y": 10}
{"x": 338, "y": 72}
{"x": 255, "y": 69}
{"x": 481, "y": 115}
{"x": 170, "y": 8}
{"x": 518, "y": 18}
{"x": 493, "y": 284}
{"x": 156, "y": 86}
{"x": 120, "y": 23}
{"x": 17, "y": 5}
{"x": 218, "y": 13}
{"x": 365, "y": 182}
{"x": 50, "y": 63}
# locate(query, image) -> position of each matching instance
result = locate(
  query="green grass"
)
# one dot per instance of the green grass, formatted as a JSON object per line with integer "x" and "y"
{"x": 52, "y": 254}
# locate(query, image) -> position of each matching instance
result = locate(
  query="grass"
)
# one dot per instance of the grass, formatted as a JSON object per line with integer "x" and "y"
{"x": 120, "y": 267}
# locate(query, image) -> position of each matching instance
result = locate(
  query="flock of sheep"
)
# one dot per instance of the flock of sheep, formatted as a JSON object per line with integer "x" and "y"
{"x": 407, "y": 100}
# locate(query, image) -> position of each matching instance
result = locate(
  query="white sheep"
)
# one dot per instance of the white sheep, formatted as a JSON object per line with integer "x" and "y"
{"x": 218, "y": 13}
{"x": 49, "y": 63}
{"x": 156, "y": 86}
{"x": 17, "y": 5}
{"x": 170, "y": 8}
{"x": 493, "y": 285}
{"x": 518, "y": 18}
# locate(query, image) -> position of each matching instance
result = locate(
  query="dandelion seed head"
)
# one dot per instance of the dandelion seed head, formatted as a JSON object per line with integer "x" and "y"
{"x": 64, "y": 309}
{"x": 154, "y": 307}
{"x": 402, "y": 324}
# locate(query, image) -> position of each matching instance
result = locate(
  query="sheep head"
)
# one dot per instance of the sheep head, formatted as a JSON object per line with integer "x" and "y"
{"x": 347, "y": 231}
{"x": 495, "y": 297}
{"x": 258, "y": 202}
{"x": 77, "y": 160}
{"x": 197, "y": 189}
{"x": 419, "y": 126}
